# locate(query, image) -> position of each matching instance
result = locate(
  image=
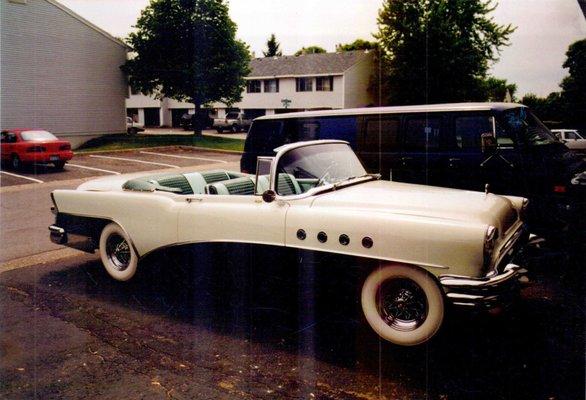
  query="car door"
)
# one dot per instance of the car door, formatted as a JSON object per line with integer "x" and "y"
{"x": 232, "y": 218}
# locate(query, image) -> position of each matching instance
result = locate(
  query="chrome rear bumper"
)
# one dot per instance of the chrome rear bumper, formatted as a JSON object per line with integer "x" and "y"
{"x": 483, "y": 293}
{"x": 60, "y": 236}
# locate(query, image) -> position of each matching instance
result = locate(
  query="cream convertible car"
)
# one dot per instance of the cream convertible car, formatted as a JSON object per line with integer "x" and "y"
{"x": 432, "y": 246}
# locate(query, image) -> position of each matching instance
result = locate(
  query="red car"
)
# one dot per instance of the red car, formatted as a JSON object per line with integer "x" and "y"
{"x": 27, "y": 146}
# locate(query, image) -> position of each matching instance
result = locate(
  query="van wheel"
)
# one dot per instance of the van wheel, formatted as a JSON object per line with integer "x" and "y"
{"x": 402, "y": 304}
{"x": 59, "y": 165}
{"x": 117, "y": 254}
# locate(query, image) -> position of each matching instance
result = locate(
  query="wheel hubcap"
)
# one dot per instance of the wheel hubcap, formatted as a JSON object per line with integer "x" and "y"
{"x": 118, "y": 252}
{"x": 402, "y": 304}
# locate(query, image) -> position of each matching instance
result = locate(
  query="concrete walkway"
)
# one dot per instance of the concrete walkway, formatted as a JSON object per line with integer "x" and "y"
{"x": 179, "y": 131}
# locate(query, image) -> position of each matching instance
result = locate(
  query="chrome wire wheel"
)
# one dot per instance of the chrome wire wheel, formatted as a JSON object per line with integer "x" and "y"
{"x": 118, "y": 251}
{"x": 402, "y": 304}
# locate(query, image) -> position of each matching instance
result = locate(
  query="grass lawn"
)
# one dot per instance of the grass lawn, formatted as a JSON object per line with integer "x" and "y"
{"x": 123, "y": 142}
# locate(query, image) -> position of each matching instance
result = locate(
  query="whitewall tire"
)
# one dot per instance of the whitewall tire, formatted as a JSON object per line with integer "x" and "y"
{"x": 402, "y": 304}
{"x": 117, "y": 254}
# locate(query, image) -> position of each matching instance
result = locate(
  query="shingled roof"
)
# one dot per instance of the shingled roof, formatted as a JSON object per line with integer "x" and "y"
{"x": 308, "y": 64}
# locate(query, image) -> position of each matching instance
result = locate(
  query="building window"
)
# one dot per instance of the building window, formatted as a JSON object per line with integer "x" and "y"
{"x": 272, "y": 86}
{"x": 253, "y": 86}
{"x": 324, "y": 84}
{"x": 304, "y": 84}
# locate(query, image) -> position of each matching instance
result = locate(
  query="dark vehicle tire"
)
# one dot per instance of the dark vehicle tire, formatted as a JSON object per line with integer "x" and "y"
{"x": 15, "y": 162}
{"x": 132, "y": 131}
{"x": 220, "y": 130}
{"x": 402, "y": 304}
{"x": 59, "y": 165}
{"x": 235, "y": 128}
{"x": 117, "y": 253}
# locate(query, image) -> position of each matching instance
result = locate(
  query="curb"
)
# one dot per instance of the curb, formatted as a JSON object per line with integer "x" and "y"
{"x": 38, "y": 259}
{"x": 160, "y": 147}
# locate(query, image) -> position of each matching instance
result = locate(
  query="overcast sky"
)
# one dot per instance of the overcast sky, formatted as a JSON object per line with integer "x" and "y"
{"x": 533, "y": 61}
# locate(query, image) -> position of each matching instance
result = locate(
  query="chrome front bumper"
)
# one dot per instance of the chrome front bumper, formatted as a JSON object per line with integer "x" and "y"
{"x": 483, "y": 293}
{"x": 60, "y": 236}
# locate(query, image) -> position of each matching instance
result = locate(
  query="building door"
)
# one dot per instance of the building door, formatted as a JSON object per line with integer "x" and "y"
{"x": 176, "y": 115}
{"x": 152, "y": 117}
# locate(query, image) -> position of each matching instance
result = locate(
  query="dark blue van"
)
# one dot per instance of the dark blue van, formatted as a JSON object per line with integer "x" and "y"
{"x": 464, "y": 146}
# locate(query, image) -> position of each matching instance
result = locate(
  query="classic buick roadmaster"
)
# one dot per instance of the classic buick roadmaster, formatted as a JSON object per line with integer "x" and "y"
{"x": 432, "y": 246}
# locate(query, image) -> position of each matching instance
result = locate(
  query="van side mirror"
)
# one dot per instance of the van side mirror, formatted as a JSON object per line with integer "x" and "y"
{"x": 488, "y": 143}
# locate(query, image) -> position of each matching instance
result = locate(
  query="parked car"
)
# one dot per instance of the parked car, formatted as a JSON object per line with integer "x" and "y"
{"x": 132, "y": 127}
{"x": 443, "y": 145}
{"x": 188, "y": 121}
{"x": 28, "y": 146}
{"x": 572, "y": 139}
{"x": 428, "y": 247}
{"x": 234, "y": 122}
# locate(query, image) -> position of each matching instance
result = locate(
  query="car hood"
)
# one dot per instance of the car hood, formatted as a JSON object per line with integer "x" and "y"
{"x": 424, "y": 201}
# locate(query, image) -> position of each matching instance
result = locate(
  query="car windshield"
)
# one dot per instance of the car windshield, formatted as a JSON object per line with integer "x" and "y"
{"x": 307, "y": 167}
{"x": 36, "y": 136}
{"x": 527, "y": 126}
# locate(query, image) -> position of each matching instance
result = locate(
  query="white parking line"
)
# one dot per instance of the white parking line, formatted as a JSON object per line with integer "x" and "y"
{"x": 93, "y": 169}
{"x": 185, "y": 157}
{"x": 22, "y": 176}
{"x": 133, "y": 160}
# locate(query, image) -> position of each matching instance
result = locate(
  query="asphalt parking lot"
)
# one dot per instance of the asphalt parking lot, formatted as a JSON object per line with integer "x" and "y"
{"x": 113, "y": 163}
{"x": 184, "y": 331}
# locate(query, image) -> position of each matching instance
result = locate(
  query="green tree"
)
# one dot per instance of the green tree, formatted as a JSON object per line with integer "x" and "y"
{"x": 187, "y": 50}
{"x": 439, "y": 50}
{"x": 496, "y": 89}
{"x": 310, "y": 50}
{"x": 574, "y": 85}
{"x": 550, "y": 109}
{"x": 358, "y": 44}
{"x": 273, "y": 47}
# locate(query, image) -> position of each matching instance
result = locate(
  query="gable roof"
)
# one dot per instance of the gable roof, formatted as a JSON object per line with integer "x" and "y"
{"x": 307, "y": 64}
{"x": 88, "y": 23}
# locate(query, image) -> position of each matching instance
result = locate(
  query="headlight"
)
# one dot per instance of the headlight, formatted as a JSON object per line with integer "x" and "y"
{"x": 490, "y": 239}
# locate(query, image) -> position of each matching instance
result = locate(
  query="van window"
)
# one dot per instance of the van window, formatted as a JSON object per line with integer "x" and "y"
{"x": 422, "y": 133}
{"x": 468, "y": 130}
{"x": 342, "y": 128}
{"x": 265, "y": 136}
{"x": 381, "y": 134}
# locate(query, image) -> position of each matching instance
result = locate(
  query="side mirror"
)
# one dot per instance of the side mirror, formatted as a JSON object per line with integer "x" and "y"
{"x": 269, "y": 196}
{"x": 263, "y": 173}
{"x": 488, "y": 143}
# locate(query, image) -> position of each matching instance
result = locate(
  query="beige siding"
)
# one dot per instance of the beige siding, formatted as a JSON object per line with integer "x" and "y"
{"x": 57, "y": 73}
{"x": 356, "y": 83}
